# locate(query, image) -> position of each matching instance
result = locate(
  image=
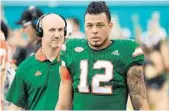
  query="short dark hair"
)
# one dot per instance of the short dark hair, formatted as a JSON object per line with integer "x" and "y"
{"x": 97, "y": 8}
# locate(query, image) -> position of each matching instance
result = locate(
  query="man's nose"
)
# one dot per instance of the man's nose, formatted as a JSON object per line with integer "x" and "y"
{"x": 94, "y": 30}
{"x": 57, "y": 35}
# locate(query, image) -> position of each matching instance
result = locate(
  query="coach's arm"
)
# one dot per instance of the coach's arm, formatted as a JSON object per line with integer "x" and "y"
{"x": 14, "y": 107}
{"x": 137, "y": 90}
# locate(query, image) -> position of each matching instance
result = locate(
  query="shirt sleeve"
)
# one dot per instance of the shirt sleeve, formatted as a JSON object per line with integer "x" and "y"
{"x": 64, "y": 73}
{"x": 17, "y": 92}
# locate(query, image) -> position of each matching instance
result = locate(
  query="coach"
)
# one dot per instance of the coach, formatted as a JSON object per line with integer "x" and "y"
{"x": 35, "y": 86}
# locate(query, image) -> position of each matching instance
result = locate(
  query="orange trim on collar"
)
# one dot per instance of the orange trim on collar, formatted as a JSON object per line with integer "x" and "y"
{"x": 39, "y": 55}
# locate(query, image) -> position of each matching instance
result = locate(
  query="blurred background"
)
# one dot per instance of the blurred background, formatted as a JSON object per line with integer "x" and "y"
{"x": 122, "y": 10}
{"x": 147, "y": 22}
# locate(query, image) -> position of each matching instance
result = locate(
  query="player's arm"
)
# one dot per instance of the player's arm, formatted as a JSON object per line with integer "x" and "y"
{"x": 65, "y": 90}
{"x": 14, "y": 107}
{"x": 137, "y": 90}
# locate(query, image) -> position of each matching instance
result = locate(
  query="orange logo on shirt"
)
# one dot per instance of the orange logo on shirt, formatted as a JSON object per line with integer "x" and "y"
{"x": 38, "y": 73}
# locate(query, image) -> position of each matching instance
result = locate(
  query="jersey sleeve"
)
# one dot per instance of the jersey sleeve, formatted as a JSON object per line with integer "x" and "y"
{"x": 66, "y": 60}
{"x": 135, "y": 55}
{"x": 66, "y": 55}
{"x": 17, "y": 92}
{"x": 64, "y": 73}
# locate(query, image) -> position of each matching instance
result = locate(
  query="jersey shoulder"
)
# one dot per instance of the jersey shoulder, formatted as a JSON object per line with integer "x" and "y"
{"x": 71, "y": 44}
{"x": 128, "y": 47}
{"x": 126, "y": 43}
{"x": 75, "y": 42}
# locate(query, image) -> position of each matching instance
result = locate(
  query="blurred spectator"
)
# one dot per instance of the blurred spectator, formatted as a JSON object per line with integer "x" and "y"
{"x": 137, "y": 28}
{"x": 154, "y": 32}
{"x": 7, "y": 34}
{"x": 156, "y": 51}
{"x": 6, "y": 70}
{"x": 28, "y": 22}
{"x": 4, "y": 29}
{"x": 74, "y": 29}
{"x": 155, "y": 76}
{"x": 3, "y": 66}
{"x": 117, "y": 31}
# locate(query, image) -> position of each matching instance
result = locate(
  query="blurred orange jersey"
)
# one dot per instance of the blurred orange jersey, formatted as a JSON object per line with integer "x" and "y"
{"x": 3, "y": 52}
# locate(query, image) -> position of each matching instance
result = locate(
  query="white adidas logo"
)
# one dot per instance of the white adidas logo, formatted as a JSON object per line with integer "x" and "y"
{"x": 116, "y": 52}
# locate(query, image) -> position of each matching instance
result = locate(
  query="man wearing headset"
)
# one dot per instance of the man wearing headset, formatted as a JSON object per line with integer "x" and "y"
{"x": 28, "y": 22}
{"x": 36, "y": 84}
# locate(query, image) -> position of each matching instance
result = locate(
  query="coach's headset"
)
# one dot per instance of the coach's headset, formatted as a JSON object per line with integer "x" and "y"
{"x": 39, "y": 29}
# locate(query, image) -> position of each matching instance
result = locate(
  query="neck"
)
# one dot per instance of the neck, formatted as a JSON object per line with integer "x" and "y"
{"x": 50, "y": 53}
{"x": 33, "y": 39}
{"x": 33, "y": 42}
{"x": 105, "y": 44}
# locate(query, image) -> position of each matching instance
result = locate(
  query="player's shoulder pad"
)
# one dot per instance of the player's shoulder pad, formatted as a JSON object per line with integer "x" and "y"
{"x": 126, "y": 43}
{"x": 132, "y": 46}
{"x": 137, "y": 50}
{"x": 136, "y": 47}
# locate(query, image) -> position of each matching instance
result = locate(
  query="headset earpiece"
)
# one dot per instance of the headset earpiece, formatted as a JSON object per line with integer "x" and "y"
{"x": 39, "y": 32}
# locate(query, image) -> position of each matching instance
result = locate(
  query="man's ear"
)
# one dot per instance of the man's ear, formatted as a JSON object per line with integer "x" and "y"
{"x": 111, "y": 25}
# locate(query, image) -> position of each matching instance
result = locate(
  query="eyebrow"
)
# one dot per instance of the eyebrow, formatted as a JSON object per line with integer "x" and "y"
{"x": 95, "y": 23}
{"x": 100, "y": 23}
{"x": 52, "y": 29}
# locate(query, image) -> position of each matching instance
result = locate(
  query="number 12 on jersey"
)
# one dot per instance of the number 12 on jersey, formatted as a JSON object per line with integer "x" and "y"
{"x": 97, "y": 78}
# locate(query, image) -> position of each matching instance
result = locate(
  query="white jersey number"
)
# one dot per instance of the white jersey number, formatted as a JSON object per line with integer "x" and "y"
{"x": 97, "y": 78}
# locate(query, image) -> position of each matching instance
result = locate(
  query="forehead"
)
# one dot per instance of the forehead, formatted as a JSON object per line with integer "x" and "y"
{"x": 53, "y": 21}
{"x": 95, "y": 18}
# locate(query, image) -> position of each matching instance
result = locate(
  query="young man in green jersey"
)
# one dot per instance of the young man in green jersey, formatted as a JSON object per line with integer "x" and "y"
{"x": 97, "y": 73}
{"x": 35, "y": 86}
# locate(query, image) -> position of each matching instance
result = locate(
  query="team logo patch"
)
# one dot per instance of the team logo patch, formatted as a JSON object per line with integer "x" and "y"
{"x": 116, "y": 52}
{"x": 79, "y": 49}
{"x": 38, "y": 73}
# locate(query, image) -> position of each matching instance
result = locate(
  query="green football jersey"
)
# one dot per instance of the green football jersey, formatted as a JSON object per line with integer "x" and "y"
{"x": 99, "y": 76}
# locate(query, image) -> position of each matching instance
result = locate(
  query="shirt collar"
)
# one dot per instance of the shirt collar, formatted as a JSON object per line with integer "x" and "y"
{"x": 39, "y": 55}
